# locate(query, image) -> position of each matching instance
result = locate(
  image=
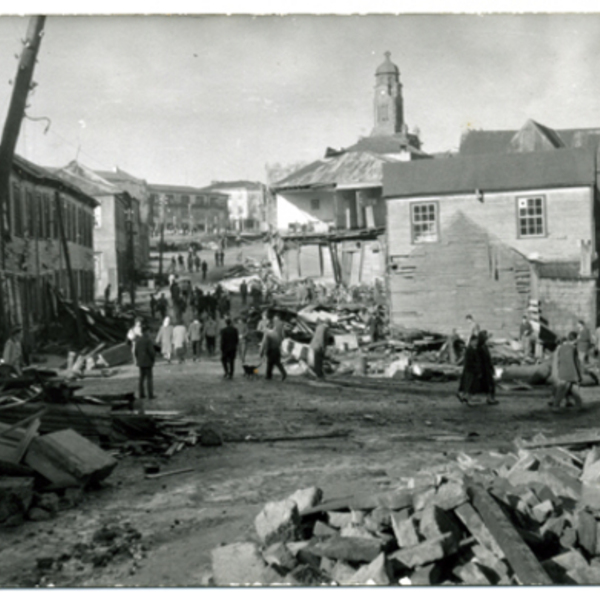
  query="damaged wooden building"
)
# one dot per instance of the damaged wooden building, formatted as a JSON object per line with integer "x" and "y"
{"x": 330, "y": 214}
{"x": 489, "y": 233}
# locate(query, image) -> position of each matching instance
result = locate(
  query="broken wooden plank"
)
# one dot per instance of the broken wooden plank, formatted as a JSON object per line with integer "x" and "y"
{"x": 520, "y": 557}
{"x": 168, "y": 473}
{"x": 23, "y": 445}
{"x": 293, "y": 438}
{"x": 576, "y": 439}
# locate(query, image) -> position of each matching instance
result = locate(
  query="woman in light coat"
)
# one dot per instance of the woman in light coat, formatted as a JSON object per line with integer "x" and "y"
{"x": 164, "y": 338}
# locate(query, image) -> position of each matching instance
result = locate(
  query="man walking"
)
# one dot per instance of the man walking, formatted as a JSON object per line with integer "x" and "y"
{"x": 204, "y": 270}
{"x": 244, "y": 292}
{"x": 229, "y": 344}
{"x": 210, "y": 333}
{"x": 195, "y": 337}
{"x": 271, "y": 349}
{"x": 527, "y": 337}
{"x": 144, "y": 358}
{"x": 584, "y": 342}
{"x": 179, "y": 339}
{"x": 568, "y": 373}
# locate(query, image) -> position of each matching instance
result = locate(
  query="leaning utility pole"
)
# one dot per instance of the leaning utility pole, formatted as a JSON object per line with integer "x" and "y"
{"x": 10, "y": 134}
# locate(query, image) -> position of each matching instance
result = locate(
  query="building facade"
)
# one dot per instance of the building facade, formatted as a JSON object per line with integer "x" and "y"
{"x": 187, "y": 209}
{"x": 488, "y": 234}
{"x": 116, "y": 228}
{"x": 34, "y": 259}
{"x": 246, "y": 202}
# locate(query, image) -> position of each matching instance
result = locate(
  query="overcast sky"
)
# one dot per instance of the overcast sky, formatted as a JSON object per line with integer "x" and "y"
{"x": 187, "y": 100}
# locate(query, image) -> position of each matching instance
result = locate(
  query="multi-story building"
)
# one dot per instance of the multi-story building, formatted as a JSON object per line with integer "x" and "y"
{"x": 188, "y": 209}
{"x": 137, "y": 188}
{"x": 116, "y": 227}
{"x": 34, "y": 258}
{"x": 247, "y": 203}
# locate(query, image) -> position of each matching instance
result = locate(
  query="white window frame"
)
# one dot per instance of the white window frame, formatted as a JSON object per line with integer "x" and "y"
{"x": 422, "y": 210}
{"x": 532, "y": 217}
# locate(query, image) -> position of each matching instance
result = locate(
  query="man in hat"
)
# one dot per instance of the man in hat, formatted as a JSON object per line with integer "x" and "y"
{"x": 13, "y": 350}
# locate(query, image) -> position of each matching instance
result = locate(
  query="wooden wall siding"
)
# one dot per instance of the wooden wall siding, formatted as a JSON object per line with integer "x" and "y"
{"x": 437, "y": 285}
{"x": 569, "y": 218}
{"x": 564, "y": 302}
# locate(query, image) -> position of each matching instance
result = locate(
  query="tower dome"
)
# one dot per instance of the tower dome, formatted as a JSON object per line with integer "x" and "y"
{"x": 387, "y": 67}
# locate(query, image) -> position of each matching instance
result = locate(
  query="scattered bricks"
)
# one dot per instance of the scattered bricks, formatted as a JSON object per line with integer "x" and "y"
{"x": 553, "y": 527}
{"x": 569, "y": 560}
{"x": 349, "y": 549}
{"x": 357, "y": 531}
{"x": 49, "y": 502}
{"x": 342, "y": 572}
{"x": 471, "y": 574}
{"x": 571, "y": 486}
{"x": 295, "y": 547}
{"x": 540, "y": 512}
{"x": 427, "y": 575}
{"x": 339, "y": 519}
{"x": 307, "y": 498}
{"x": 423, "y": 497}
{"x": 526, "y": 462}
{"x": 495, "y": 568}
{"x": 241, "y": 564}
{"x": 378, "y": 520}
{"x": 450, "y": 494}
{"x": 306, "y": 575}
{"x": 322, "y": 530}
{"x": 588, "y": 575}
{"x": 375, "y": 572}
{"x": 327, "y": 565}
{"x": 586, "y": 532}
{"x": 16, "y": 494}
{"x": 278, "y": 522}
{"x": 436, "y": 522}
{"x": 543, "y": 492}
{"x": 404, "y": 529}
{"x": 38, "y": 514}
{"x": 590, "y": 494}
{"x": 395, "y": 500}
{"x": 568, "y": 539}
{"x": 422, "y": 554}
{"x": 278, "y": 554}
{"x": 306, "y": 556}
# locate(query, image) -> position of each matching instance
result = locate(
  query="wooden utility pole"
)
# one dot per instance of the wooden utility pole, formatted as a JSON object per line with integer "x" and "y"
{"x": 65, "y": 245}
{"x": 10, "y": 133}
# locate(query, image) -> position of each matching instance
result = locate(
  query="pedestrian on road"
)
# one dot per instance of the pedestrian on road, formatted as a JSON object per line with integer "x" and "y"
{"x": 527, "y": 337}
{"x": 271, "y": 349}
{"x": 222, "y": 258}
{"x": 318, "y": 345}
{"x": 473, "y": 326}
{"x": 244, "y": 333}
{"x": 470, "y": 380}
{"x": 164, "y": 339}
{"x": 195, "y": 338}
{"x": 13, "y": 350}
{"x": 229, "y": 345}
{"x": 210, "y": 333}
{"x": 568, "y": 373}
{"x": 180, "y": 262}
{"x": 584, "y": 342}
{"x": 162, "y": 305}
{"x": 153, "y": 305}
{"x": 217, "y": 258}
{"x": 173, "y": 266}
{"x": 244, "y": 292}
{"x": 197, "y": 263}
{"x": 107, "y": 295}
{"x": 145, "y": 356}
{"x": 204, "y": 270}
{"x": 487, "y": 367}
{"x": 179, "y": 340}
{"x": 190, "y": 262}
{"x": 133, "y": 334}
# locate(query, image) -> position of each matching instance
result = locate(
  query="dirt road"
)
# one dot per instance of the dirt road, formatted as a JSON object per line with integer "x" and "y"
{"x": 181, "y": 518}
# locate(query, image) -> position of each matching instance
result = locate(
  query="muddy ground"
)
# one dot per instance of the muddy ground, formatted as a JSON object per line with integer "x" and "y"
{"x": 182, "y": 517}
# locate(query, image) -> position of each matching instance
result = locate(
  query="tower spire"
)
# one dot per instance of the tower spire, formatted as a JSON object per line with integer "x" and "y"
{"x": 388, "y": 103}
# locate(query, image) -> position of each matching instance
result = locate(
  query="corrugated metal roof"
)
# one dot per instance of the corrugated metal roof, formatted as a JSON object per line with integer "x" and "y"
{"x": 165, "y": 188}
{"x": 490, "y": 172}
{"x": 87, "y": 180}
{"x": 225, "y": 185}
{"x": 348, "y": 168}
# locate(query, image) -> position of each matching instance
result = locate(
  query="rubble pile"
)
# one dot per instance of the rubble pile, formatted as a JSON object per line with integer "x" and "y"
{"x": 529, "y": 517}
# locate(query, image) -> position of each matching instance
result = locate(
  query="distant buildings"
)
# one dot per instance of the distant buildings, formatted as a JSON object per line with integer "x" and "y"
{"x": 187, "y": 209}
{"x": 246, "y": 201}
{"x": 34, "y": 259}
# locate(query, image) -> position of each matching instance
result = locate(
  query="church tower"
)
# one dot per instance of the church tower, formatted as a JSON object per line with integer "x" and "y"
{"x": 389, "y": 110}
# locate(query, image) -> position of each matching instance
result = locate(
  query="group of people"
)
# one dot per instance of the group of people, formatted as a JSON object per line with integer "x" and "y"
{"x": 194, "y": 262}
{"x": 571, "y": 355}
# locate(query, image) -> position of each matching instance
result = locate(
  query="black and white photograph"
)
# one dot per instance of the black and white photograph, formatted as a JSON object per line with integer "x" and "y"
{"x": 296, "y": 299}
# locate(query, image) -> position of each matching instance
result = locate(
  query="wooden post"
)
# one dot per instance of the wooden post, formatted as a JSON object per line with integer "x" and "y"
{"x": 63, "y": 239}
{"x": 10, "y": 133}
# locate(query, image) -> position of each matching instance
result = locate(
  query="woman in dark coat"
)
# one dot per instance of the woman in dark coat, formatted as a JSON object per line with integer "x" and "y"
{"x": 478, "y": 371}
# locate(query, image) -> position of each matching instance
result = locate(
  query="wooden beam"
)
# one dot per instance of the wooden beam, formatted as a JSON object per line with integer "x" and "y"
{"x": 518, "y": 554}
